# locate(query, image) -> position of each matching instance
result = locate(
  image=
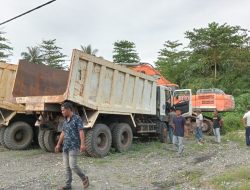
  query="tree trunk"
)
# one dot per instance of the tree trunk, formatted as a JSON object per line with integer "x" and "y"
{"x": 215, "y": 70}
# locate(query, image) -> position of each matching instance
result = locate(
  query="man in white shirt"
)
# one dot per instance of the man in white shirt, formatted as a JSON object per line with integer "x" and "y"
{"x": 246, "y": 121}
{"x": 199, "y": 125}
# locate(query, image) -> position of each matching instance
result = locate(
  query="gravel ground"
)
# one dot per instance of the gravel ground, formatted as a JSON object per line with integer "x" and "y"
{"x": 149, "y": 165}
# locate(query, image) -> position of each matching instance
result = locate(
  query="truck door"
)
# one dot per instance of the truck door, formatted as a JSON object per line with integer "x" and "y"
{"x": 182, "y": 99}
{"x": 163, "y": 101}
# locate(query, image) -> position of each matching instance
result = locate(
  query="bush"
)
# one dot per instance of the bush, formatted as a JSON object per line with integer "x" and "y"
{"x": 242, "y": 102}
{"x": 232, "y": 122}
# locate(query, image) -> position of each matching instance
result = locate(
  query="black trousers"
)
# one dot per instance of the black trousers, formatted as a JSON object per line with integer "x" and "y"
{"x": 248, "y": 136}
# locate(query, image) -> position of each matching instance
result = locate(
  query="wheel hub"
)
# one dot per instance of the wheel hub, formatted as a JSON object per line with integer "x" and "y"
{"x": 124, "y": 137}
{"x": 101, "y": 140}
{"x": 19, "y": 135}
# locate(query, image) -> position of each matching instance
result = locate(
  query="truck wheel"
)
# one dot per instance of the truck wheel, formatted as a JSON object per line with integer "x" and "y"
{"x": 41, "y": 139}
{"x": 161, "y": 126}
{"x": 50, "y": 140}
{"x": 2, "y": 130}
{"x": 18, "y": 135}
{"x": 122, "y": 137}
{"x": 98, "y": 141}
{"x": 207, "y": 127}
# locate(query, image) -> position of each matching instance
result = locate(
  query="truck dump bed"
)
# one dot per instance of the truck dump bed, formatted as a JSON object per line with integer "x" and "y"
{"x": 91, "y": 82}
{"x": 7, "y": 78}
{"x": 8, "y": 105}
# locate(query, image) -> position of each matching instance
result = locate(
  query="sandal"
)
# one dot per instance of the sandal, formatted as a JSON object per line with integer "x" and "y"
{"x": 85, "y": 182}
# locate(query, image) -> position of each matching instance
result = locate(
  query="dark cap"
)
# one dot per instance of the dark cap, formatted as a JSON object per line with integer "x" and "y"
{"x": 67, "y": 105}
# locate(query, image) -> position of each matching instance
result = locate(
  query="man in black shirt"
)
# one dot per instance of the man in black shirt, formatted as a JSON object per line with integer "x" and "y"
{"x": 217, "y": 123}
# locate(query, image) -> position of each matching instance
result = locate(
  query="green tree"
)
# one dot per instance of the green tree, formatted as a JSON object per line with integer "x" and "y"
{"x": 214, "y": 46}
{"x": 33, "y": 55}
{"x": 5, "y": 49}
{"x": 52, "y": 55}
{"x": 125, "y": 52}
{"x": 172, "y": 59}
{"x": 89, "y": 50}
{"x": 221, "y": 54}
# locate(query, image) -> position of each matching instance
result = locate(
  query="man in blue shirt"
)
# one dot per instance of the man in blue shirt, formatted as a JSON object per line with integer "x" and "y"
{"x": 179, "y": 128}
{"x": 72, "y": 138}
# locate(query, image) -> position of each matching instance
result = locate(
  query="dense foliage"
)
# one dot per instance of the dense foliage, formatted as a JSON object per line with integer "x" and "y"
{"x": 216, "y": 56}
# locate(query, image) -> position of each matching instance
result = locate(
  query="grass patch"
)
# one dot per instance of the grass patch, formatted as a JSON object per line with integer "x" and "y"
{"x": 141, "y": 148}
{"x": 235, "y": 179}
{"x": 138, "y": 149}
{"x": 235, "y": 136}
{"x": 192, "y": 176}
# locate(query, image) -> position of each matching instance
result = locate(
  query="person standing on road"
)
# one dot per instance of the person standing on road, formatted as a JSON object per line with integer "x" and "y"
{"x": 217, "y": 124}
{"x": 199, "y": 125}
{"x": 72, "y": 138}
{"x": 246, "y": 121}
{"x": 171, "y": 116}
{"x": 179, "y": 128}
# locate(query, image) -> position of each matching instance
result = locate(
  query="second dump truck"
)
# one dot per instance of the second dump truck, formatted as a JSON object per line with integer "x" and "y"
{"x": 114, "y": 102}
{"x": 17, "y": 129}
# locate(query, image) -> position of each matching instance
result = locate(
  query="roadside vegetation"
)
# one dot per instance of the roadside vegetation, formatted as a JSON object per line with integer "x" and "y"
{"x": 233, "y": 179}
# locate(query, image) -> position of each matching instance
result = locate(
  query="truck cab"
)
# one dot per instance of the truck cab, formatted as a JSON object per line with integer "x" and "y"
{"x": 179, "y": 99}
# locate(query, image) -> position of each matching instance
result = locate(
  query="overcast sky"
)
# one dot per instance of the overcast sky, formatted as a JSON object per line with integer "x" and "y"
{"x": 100, "y": 23}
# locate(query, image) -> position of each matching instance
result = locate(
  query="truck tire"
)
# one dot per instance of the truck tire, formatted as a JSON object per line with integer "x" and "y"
{"x": 18, "y": 136}
{"x": 2, "y": 130}
{"x": 122, "y": 137}
{"x": 207, "y": 126}
{"x": 50, "y": 140}
{"x": 98, "y": 141}
{"x": 161, "y": 126}
{"x": 41, "y": 139}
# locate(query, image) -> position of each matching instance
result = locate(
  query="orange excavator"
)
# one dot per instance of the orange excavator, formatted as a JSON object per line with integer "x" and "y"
{"x": 205, "y": 99}
{"x": 148, "y": 69}
{"x": 211, "y": 99}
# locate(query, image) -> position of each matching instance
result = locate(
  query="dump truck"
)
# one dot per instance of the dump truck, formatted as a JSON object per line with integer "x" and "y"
{"x": 114, "y": 102}
{"x": 16, "y": 125}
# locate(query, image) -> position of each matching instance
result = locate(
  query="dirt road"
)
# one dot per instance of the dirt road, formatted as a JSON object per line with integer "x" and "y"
{"x": 149, "y": 165}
